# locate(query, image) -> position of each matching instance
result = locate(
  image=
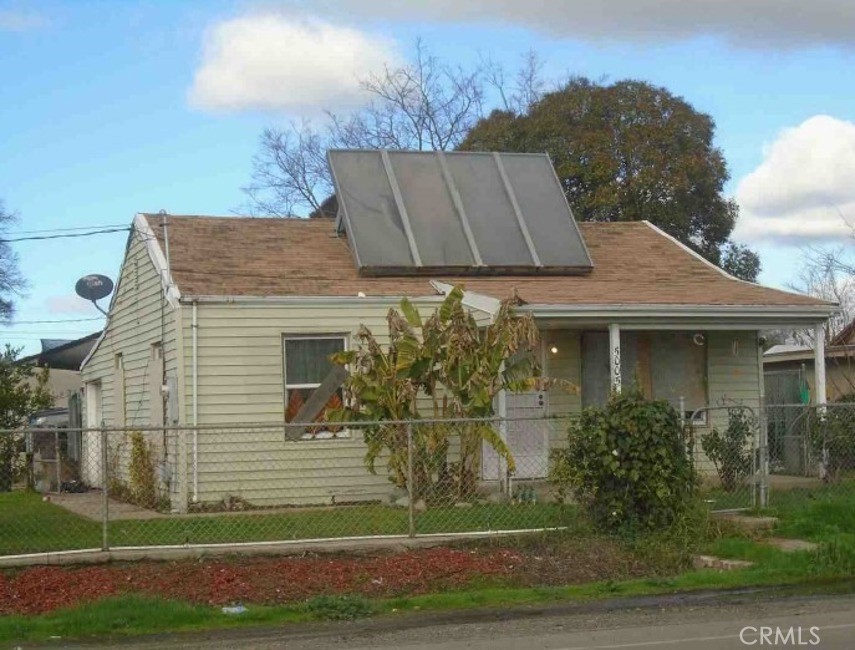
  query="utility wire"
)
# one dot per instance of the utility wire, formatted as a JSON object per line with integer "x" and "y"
{"x": 55, "y": 320}
{"x": 69, "y": 229}
{"x": 66, "y": 235}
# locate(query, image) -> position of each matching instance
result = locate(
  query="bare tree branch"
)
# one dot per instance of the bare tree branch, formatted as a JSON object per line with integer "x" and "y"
{"x": 827, "y": 273}
{"x": 12, "y": 283}
{"x": 425, "y": 104}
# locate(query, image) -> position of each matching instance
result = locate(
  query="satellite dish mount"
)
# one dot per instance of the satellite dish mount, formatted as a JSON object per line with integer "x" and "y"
{"x": 94, "y": 287}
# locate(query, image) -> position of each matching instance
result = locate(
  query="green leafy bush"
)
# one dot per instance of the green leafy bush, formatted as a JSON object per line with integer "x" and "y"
{"x": 730, "y": 451}
{"x": 628, "y": 465}
{"x": 832, "y": 436}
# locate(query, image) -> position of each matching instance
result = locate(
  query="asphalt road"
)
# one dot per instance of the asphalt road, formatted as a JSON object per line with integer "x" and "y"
{"x": 650, "y": 624}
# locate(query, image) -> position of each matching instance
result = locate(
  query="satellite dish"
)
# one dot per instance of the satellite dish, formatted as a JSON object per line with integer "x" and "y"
{"x": 94, "y": 287}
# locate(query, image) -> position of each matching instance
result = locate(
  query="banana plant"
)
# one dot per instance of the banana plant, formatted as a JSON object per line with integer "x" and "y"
{"x": 441, "y": 367}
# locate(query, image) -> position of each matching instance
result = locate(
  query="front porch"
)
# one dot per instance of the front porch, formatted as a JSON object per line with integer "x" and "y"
{"x": 701, "y": 366}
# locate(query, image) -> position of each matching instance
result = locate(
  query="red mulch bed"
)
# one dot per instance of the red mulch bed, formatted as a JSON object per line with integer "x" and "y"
{"x": 256, "y": 580}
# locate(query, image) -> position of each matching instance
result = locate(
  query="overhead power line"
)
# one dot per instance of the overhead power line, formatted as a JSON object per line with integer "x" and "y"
{"x": 65, "y": 235}
{"x": 69, "y": 229}
{"x": 54, "y": 320}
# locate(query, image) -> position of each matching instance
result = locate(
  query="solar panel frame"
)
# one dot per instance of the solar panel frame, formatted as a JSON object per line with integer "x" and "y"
{"x": 370, "y": 260}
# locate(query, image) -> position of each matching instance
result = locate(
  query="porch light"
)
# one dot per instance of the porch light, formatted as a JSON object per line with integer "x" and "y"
{"x": 554, "y": 350}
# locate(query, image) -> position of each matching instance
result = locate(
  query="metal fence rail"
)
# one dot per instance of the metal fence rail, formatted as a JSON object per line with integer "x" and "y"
{"x": 70, "y": 489}
{"x": 118, "y": 488}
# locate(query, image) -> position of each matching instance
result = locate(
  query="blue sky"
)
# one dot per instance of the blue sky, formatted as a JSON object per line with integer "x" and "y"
{"x": 98, "y": 122}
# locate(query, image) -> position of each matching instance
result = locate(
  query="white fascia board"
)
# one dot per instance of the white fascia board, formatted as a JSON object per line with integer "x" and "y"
{"x": 709, "y": 317}
{"x": 814, "y": 312}
{"x": 170, "y": 290}
{"x": 116, "y": 290}
{"x": 141, "y": 227}
{"x": 331, "y": 301}
{"x": 479, "y": 301}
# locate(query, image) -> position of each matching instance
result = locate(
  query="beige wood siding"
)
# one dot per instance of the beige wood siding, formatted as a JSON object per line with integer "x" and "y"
{"x": 240, "y": 382}
{"x": 733, "y": 374}
{"x": 564, "y": 364}
{"x": 139, "y": 317}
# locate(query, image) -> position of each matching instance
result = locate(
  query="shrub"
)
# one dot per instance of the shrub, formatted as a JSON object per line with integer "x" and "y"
{"x": 628, "y": 465}
{"x": 832, "y": 435}
{"x": 730, "y": 451}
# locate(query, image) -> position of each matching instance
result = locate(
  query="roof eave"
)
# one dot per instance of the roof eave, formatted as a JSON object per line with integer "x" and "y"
{"x": 189, "y": 299}
{"x": 710, "y": 316}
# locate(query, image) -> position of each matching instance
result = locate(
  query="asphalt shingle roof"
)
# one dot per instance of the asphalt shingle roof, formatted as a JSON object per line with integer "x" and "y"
{"x": 634, "y": 264}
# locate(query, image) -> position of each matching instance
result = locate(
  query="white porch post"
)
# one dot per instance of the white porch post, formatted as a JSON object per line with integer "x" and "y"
{"x": 614, "y": 357}
{"x": 819, "y": 364}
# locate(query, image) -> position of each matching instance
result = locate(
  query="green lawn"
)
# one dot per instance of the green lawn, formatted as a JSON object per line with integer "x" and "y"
{"x": 135, "y": 615}
{"x": 30, "y": 525}
{"x": 826, "y": 516}
{"x": 823, "y": 514}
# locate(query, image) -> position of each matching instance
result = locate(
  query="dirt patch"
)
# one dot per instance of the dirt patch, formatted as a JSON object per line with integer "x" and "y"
{"x": 280, "y": 580}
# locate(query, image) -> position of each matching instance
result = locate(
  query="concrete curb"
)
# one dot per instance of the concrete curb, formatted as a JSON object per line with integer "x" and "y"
{"x": 287, "y": 547}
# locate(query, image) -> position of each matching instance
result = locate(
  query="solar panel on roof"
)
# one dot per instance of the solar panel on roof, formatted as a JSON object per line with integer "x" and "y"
{"x": 408, "y": 213}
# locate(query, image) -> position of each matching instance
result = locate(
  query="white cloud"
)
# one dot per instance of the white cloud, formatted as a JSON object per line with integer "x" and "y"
{"x": 272, "y": 61}
{"x": 70, "y": 304}
{"x": 750, "y": 23}
{"x": 805, "y": 187}
{"x": 12, "y": 20}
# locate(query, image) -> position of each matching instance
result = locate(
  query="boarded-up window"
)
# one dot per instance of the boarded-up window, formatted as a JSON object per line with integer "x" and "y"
{"x": 306, "y": 364}
{"x": 679, "y": 368}
{"x": 666, "y": 365}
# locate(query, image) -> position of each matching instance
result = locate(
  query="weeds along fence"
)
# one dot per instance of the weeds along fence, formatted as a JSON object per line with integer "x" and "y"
{"x": 67, "y": 489}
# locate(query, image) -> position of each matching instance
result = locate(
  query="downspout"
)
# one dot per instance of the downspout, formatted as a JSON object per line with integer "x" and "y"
{"x": 194, "y": 327}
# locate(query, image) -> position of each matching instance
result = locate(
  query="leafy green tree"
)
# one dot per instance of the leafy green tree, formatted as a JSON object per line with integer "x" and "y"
{"x": 740, "y": 261}
{"x": 23, "y": 391}
{"x": 629, "y": 151}
{"x": 442, "y": 367}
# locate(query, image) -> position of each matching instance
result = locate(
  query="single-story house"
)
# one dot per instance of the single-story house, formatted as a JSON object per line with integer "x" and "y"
{"x": 226, "y": 321}
{"x": 790, "y": 369}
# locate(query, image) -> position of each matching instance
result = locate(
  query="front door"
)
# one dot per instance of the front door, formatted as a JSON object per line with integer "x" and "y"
{"x": 527, "y": 436}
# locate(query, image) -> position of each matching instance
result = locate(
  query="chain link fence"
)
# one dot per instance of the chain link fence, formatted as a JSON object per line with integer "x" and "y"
{"x": 67, "y": 489}
{"x": 726, "y": 442}
{"x": 111, "y": 488}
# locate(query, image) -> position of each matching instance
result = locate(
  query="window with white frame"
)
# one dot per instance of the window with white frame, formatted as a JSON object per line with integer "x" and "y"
{"x": 306, "y": 365}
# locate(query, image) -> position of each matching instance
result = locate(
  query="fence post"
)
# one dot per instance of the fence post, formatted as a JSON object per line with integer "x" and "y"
{"x": 105, "y": 496}
{"x": 411, "y": 505}
{"x": 764, "y": 454}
